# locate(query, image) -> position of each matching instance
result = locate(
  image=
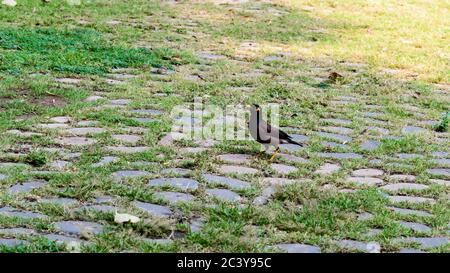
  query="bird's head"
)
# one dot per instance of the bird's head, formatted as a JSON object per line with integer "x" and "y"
{"x": 256, "y": 108}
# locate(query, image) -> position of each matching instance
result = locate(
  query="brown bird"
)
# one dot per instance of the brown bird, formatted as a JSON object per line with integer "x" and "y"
{"x": 266, "y": 134}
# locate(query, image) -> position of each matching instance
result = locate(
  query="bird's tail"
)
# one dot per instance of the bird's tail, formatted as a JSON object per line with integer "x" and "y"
{"x": 294, "y": 142}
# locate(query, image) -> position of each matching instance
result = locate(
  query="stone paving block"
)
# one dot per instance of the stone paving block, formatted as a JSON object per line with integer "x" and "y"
{"x": 297, "y": 248}
{"x": 154, "y": 210}
{"x": 224, "y": 195}
{"x": 79, "y": 228}
{"x": 185, "y": 184}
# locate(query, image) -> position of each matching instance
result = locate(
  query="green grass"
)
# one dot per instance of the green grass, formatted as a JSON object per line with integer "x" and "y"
{"x": 76, "y": 51}
{"x": 40, "y": 43}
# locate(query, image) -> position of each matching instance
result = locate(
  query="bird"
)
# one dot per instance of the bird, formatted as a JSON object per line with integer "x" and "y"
{"x": 266, "y": 134}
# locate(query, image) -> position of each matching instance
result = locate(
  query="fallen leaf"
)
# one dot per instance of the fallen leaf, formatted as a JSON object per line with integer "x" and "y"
{"x": 121, "y": 218}
{"x": 334, "y": 76}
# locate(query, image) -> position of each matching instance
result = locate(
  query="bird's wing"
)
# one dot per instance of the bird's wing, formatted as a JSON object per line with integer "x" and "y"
{"x": 275, "y": 132}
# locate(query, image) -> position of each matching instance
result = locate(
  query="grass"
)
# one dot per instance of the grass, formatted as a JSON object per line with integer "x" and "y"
{"x": 76, "y": 51}
{"x": 317, "y": 42}
{"x": 409, "y": 36}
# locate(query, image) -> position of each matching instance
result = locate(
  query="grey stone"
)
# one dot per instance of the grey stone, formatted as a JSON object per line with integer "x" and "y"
{"x": 427, "y": 243}
{"x": 192, "y": 150}
{"x": 60, "y": 201}
{"x": 367, "y": 172}
{"x": 197, "y": 225}
{"x": 283, "y": 169}
{"x": 83, "y": 131}
{"x": 13, "y": 212}
{"x": 440, "y": 154}
{"x": 59, "y": 164}
{"x": 210, "y": 56}
{"x": 224, "y": 195}
{"x": 411, "y": 199}
{"x": 126, "y": 150}
{"x": 378, "y": 130}
{"x": 413, "y": 130}
{"x": 293, "y": 158}
{"x": 79, "y": 228}
{"x": 53, "y": 126}
{"x": 68, "y": 80}
{"x": 127, "y": 138}
{"x": 377, "y": 122}
{"x": 13, "y": 165}
{"x": 61, "y": 239}
{"x": 373, "y": 114}
{"x": 410, "y": 212}
{"x": 418, "y": 227}
{"x": 337, "y": 137}
{"x": 410, "y": 250}
{"x": 70, "y": 156}
{"x": 113, "y": 82}
{"x": 176, "y": 171}
{"x": 234, "y": 158}
{"x": 128, "y": 174}
{"x": 185, "y": 184}
{"x": 440, "y": 182}
{"x": 150, "y": 112}
{"x": 328, "y": 169}
{"x": 93, "y": 98}
{"x": 123, "y": 76}
{"x": 404, "y": 186}
{"x": 144, "y": 120}
{"x": 232, "y": 183}
{"x": 88, "y": 123}
{"x": 23, "y": 134}
{"x": 174, "y": 197}
{"x": 443, "y": 162}
{"x": 264, "y": 197}
{"x": 365, "y": 216}
{"x": 402, "y": 177}
{"x": 300, "y": 138}
{"x": 337, "y": 130}
{"x": 373, "y": 232}
{"x": 371, "y": 247}
{"x": 152, "y": 209}
{"x": 340, "y": 155}
{"x": 17, "y": 231}
{"x": 105, "y": 161}
{"x": 366, "y": 181}
{"x": 292, "y": 148}
{"x": 120, "y": 102}
{"x": 330, "y": 144}
{"x": 272, "y": 58}
{"x": 370, "y": 145}
{"x": 60, "y": 119}
{"x": 409, "y": 156}
{"x": 297, "y": 248}
{"x": 273, "y": 181}
{"x": 99, "y": 208}
{"x": 230, "y": 169}
{"x": 439, "y": 172}
{"x": 13, "y": 242}
{"x": 3, "y": 177}
{"x": 26, "y": 187}
{"x": 75, "y": 141}
{"x": 158, "y": 241}
{"x": 103, "y": 199}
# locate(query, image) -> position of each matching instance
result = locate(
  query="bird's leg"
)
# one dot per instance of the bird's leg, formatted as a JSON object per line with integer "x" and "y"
{"x": 274, "y": 154}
